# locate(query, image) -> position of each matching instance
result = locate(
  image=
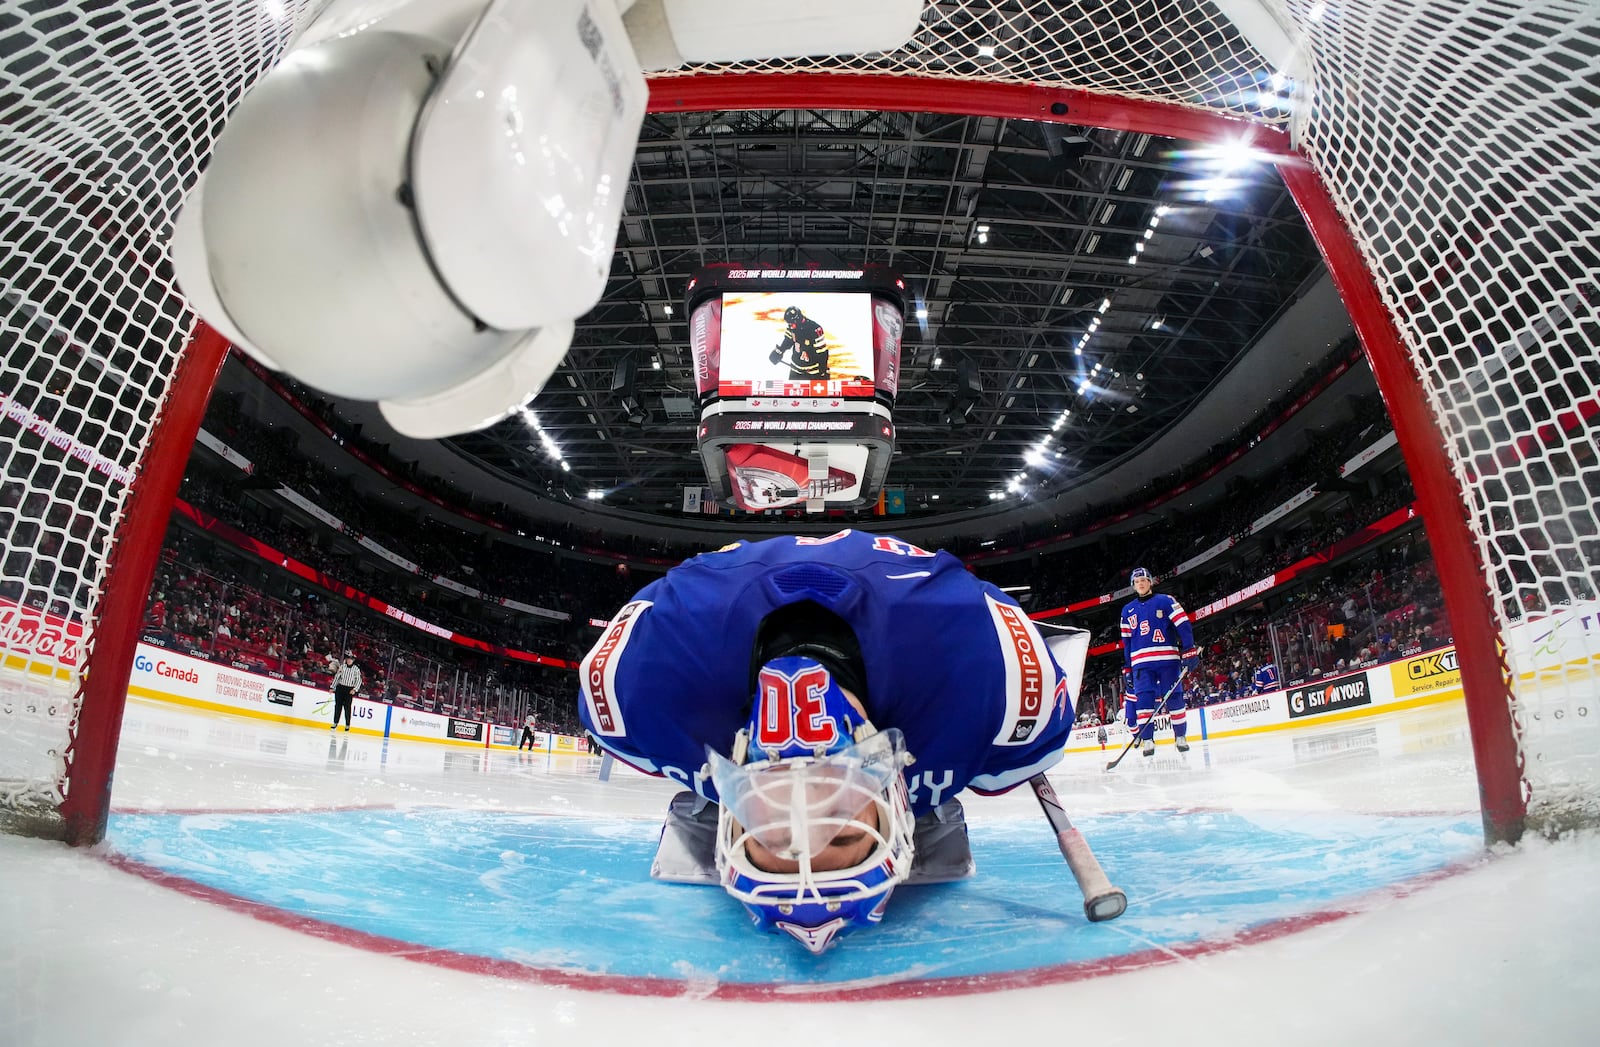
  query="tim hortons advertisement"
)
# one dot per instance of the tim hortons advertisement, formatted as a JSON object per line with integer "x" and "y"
{"x": 1341, "y": 692}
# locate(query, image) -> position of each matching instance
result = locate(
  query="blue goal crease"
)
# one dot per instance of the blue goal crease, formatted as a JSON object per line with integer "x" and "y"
{"x": 574, "y": 894}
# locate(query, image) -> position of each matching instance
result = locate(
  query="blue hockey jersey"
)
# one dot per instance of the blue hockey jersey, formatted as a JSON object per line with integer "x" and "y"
{"x": 1155, "y": 629}
{"x": 951, "y": 661}
{"x": 1266, "y": 677}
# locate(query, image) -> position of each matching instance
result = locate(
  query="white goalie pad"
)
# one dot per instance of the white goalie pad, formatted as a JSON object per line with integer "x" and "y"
{"x": 521, "y": 159}
{"x": 487, "y": 396}
{"x": 433, "y": 249}
{"x": 307, "y": 257}
{"x": 669, "y": 33}
{"x": 1070, "y": 647}
{"x": 417, "y": 203}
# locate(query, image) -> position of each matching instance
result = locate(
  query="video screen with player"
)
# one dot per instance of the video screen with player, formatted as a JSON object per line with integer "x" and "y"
{"x": 796, "y": 343}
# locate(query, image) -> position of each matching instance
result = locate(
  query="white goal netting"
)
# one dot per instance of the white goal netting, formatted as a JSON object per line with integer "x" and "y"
{"x": 1457, "y": 139}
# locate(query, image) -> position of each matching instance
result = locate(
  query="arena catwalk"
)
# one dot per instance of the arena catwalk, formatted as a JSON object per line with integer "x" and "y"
{"x": 263, "y": 883}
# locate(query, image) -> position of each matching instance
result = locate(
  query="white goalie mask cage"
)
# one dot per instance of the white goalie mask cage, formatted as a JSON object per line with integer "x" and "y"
{"x": 830, "y": 824}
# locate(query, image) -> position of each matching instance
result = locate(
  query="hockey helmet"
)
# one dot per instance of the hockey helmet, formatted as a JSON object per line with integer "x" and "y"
{"x": 793, "y": 315}
{"x": 1141, "y": 572}
{"x": 815, "y": 827}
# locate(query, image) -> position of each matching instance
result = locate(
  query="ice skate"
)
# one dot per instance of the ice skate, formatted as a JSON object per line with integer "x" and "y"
{"x": 1182, "y": 744}
{"x": 1148, "y": 747}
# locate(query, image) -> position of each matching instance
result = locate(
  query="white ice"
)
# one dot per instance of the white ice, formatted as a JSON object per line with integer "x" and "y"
{"x": 1502, "y": 953}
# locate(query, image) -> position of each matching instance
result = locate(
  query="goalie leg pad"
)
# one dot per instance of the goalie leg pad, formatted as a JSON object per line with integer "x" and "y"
{"x": 943, "y": 853}
{"x": 687, "y": 852}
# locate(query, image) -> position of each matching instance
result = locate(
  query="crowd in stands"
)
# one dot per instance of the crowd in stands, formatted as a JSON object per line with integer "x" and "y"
{"x": 210, "y": 603}
{"x": 583, "y": 590}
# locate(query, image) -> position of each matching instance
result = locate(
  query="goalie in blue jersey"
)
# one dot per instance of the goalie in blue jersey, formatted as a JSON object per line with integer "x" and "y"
{"x": 822, "y": 701}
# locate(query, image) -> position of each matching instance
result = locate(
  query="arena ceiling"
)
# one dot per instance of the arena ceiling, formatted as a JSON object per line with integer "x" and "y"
{"x": 1012, "y": 236}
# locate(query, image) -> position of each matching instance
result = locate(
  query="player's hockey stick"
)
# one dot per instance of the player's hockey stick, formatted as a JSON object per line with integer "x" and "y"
{"x": 1101, "y": 901}
{"x": 1160, "y": 708}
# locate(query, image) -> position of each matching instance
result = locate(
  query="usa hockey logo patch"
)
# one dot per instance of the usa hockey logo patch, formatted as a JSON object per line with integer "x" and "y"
{"x": 1030, "y": 675}
{"x": 597, "y": 675}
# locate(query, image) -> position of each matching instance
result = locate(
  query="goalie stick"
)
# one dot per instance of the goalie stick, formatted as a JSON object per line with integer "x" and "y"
{"x": 1101, "y": 901}
{"x": 1160, "y": 708}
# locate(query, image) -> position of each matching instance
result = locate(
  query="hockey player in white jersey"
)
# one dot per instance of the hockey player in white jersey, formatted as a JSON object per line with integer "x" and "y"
{"x": 1157, "y": 646}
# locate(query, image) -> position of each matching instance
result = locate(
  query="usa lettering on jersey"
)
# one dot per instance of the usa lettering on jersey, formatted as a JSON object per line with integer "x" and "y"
{"x": 597, "y": 674}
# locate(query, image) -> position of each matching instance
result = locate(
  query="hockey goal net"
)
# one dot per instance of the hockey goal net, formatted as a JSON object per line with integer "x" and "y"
{"x": 1444, "y": 152}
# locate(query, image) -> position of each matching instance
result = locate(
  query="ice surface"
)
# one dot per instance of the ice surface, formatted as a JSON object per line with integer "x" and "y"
{"x": 373, "y": 853}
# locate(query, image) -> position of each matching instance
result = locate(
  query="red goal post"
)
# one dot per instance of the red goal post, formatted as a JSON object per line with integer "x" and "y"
{"x": 1443, "y": 152}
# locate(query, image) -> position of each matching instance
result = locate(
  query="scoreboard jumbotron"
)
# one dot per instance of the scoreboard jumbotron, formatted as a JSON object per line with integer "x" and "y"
{"x": 796, "y": 372}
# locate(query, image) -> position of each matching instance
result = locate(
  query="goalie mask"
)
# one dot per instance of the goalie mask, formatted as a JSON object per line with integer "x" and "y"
{"x": 815, "y": 826}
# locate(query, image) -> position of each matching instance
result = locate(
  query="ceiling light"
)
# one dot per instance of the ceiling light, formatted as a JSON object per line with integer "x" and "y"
{"x": 1033, "y": 359}
{"x": 595, "y": 494}
{"x": 667, "y": 309}
{"x": 1105, "y": 305}
{"x": 1133, "y": 259}
{"x": 983, "y": 229}
{"x": 985, "y": 50}
{"x": 983, "y": 238}
{"x": 938, "y": 361}
{"x": 1094, "y": 241}
{"x": 922, "y": 312}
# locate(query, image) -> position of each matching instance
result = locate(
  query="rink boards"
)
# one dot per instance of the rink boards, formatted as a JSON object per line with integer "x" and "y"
{"x": 1423, "y": 679}
{"x": 163, "y": 675}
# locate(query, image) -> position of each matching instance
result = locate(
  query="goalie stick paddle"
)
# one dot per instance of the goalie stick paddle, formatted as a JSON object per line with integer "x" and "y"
{"x": 1160, "y": 708}
{"x": 1101, "y": 901}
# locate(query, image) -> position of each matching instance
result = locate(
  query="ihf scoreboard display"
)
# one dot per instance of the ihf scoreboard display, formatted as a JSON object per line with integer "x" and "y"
{"x": 796, "y": 371}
